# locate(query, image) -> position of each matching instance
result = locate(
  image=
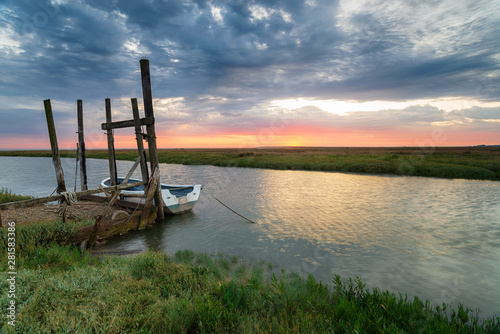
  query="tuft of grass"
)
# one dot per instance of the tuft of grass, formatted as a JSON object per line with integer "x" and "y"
{"x": 6, "y": 196}
{"x": 37, "y": 245}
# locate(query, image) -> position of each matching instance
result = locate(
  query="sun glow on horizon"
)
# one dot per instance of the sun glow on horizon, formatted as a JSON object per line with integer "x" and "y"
{"x": 284, "y": 123}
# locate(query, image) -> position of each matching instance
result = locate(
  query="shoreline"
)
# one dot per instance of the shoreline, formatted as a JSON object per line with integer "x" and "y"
{"x": 474, "y": 163}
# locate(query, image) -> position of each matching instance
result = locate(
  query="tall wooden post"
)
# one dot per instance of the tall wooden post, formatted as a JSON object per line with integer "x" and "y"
{"x": 138, "y": 137}
{"x": 148, "y": 110}
{"x": 81, "y": 146}
{"x": 111, "y": 146}
{"x": 56, "y": 159}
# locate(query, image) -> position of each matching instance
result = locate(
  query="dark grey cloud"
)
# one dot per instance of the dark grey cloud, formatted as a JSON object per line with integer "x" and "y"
{"x": 248, "y": 53}
{"x": 66, "y": 49}
{"x": 82, "y": 43}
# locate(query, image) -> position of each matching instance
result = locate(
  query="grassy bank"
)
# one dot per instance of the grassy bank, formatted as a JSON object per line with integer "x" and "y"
{"x": 479, "y": 163}
{"x": 58, "y": 289}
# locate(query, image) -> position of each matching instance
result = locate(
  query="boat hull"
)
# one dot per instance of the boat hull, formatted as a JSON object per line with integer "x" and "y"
{"x": 179, "y": 208}
{"x": 177, "y": 199}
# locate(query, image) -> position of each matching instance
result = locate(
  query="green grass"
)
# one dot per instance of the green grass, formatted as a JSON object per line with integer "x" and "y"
{"x": 61, "y": 290}
{"x": 33, "y": 239}
{"x": 6, "y": 196}
{"x": 479, "y": 163}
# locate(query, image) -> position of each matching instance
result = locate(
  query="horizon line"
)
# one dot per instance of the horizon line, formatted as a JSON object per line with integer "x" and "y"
{"x": 246, "y": 148}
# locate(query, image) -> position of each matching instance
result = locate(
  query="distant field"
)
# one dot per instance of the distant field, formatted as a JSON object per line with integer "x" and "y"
{"x": 480, "y": 163}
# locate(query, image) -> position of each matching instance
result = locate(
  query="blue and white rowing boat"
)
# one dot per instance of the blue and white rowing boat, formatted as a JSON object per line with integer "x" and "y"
{"x": 176, "y": 198}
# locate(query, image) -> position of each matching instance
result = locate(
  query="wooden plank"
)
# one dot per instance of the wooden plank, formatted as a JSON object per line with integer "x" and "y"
{"x": 107, "y": 229}
{"x": 93, "y": 198}
{"x": 123, "y": 225}
{"x": 132, "y": 170}
{"x": 129, "y": 205}
{"x": 64, "y": 210}
{"x": 81, "y": 145}
{"x": 79, "y": 194}
{"x": 132, "y": 195}
{"x": 126, "y": 124}
{"x": 111, "y": 146}
{"x": 148, "y": 110}
{"x": 153, "y": 185}
{"x": 101, "y": 218}
{"x": 30, "y": 202}
{"x": 120, "y": 202}
{"x": 56, "y": 159}
{"x": 138, "y": 138}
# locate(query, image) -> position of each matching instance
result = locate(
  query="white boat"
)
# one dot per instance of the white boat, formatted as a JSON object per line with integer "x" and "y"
{"x": 176, "y": 198}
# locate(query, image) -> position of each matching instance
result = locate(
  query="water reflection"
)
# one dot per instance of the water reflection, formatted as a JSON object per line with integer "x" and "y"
{"x": 438, "y": 239}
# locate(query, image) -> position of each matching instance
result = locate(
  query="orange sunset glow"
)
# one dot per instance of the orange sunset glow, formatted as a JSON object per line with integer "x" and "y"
{"x": 302, "y": 136}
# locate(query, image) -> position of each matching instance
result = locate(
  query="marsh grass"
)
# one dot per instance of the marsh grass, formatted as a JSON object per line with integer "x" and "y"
{"x": 61, "y": 290}
{"x": 480, "y": 163}
{"x": 6, "y": 196}
{"x": 33, "y": 241}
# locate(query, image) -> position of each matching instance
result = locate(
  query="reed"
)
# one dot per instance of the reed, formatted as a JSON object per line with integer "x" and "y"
{"x": 6, "y": 196}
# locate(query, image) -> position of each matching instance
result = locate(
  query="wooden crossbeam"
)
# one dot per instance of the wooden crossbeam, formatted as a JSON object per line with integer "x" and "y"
{"x": 127, "y": 124}
{"x": 79, "y": 194}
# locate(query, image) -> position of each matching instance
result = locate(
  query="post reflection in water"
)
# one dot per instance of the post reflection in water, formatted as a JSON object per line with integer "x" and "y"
{"x": 435, "y": 238}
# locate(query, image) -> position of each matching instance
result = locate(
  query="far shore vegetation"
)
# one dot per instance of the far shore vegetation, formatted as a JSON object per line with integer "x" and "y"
{"x": 477, "y": 163}
{"x": 61, "y": 290}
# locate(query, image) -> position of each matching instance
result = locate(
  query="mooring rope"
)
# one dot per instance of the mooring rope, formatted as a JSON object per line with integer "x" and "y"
{"x": 54, "y": 191}
{"x": 69, "y": 196}
{"x": 218, "y": 200}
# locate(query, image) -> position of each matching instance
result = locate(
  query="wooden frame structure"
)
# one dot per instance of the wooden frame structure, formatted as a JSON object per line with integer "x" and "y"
{"x": 136, "y": 123}
{"x": 151, "y": 183}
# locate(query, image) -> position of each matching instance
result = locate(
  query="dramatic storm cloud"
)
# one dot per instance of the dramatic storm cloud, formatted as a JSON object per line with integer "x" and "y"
{"x": 255, "y": 73}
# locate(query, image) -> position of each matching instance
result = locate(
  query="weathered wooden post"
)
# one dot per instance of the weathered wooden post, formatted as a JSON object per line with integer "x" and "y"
{"x": 81, "y": 146}
{"x": 148, "y": 110}
{"x": 148, "y": 200}
{"x": 111, "y": 146}
{"x": 138, "y": 137}
{"x": 56, "y": 159}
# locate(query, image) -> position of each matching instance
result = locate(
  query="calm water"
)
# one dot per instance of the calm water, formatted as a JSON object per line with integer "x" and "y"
{"x": 438, "y": 239}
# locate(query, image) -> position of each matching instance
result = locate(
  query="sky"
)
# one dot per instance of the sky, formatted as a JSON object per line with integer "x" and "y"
{"x": 257, "y": 73}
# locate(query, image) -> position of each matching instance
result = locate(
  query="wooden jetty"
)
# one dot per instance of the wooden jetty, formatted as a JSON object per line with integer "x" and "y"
{"x": 108, "y": 225}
